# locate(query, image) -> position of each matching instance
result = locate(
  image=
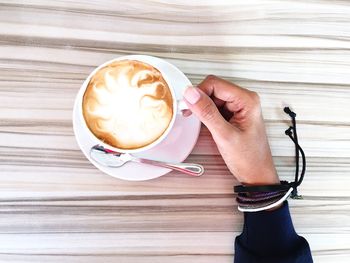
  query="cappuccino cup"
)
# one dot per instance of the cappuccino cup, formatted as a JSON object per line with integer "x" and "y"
{"x": 129, "y": 104}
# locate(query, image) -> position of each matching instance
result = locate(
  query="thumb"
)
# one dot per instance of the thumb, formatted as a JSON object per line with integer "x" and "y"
{"x": 205, "y": 109}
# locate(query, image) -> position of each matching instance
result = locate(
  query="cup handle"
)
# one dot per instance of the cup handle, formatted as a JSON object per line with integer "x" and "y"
{"x": 181, "y": 105}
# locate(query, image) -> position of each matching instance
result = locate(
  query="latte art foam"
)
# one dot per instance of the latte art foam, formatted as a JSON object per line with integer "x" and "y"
{"x": 127, "y": 104}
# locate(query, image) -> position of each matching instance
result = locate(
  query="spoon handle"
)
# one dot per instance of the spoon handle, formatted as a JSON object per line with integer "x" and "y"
{"x": 187, "y": 168}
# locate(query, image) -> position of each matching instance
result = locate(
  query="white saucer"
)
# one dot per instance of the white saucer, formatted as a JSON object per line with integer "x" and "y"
{"x": 174, "y": 148}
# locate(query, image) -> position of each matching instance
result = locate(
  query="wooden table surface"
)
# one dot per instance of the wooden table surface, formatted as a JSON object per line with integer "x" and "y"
{"x": 57, "y": 207}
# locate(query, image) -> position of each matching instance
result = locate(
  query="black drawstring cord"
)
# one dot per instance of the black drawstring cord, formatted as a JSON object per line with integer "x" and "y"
{"x": 289, "y": 130}
{"x": 292, "y": 133}
{"x": 303, "y": 160}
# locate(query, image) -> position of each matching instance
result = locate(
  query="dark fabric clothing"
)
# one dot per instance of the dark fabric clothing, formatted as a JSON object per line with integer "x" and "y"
{"x": 269, "y": 236}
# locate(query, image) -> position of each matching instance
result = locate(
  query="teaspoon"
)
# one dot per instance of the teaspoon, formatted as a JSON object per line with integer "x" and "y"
{"x": 115, "y": 159}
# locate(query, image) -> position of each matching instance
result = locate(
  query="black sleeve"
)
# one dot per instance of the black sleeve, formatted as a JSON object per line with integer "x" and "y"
{"x": 269, "y": 236}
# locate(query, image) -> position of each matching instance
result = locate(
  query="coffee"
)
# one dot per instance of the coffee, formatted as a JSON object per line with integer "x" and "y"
{"x": 127, "y": 104}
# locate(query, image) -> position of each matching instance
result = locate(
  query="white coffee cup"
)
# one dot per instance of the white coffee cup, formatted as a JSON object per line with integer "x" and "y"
{"x": 165, "y": 69}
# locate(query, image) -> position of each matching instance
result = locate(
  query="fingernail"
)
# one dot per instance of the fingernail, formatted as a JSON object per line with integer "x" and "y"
{"x": 186, "y": 113}
{"x": 192, "y": 95}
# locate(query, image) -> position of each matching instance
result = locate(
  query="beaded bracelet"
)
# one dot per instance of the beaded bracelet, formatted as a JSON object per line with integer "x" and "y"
{"x": 265, "y": 205}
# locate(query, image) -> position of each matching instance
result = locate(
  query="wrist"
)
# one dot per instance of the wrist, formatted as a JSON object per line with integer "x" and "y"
{"x": 262, "y": 178}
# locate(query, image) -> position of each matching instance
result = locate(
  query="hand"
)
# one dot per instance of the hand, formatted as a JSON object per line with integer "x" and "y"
{"x": 234, "y": 118}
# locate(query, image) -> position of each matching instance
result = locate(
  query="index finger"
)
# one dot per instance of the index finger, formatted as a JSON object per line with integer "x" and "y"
{"x": 223, "y": 91}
